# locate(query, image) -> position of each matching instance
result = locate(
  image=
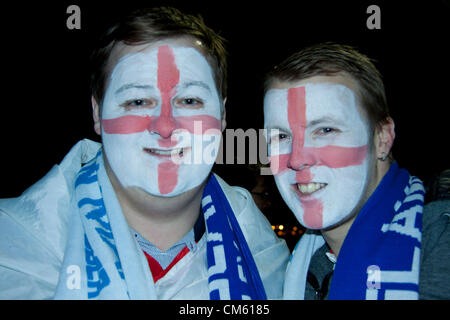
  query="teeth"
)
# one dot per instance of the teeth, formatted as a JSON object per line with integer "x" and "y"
{"x": 166, "y": 152}
{"x": 308, "y": 188}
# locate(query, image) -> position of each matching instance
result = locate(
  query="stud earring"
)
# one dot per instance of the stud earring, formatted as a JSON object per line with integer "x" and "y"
{"x": 383, "y": 156}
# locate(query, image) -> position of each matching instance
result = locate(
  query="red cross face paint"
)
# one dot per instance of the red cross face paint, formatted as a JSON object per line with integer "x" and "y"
{"x": 318, "y": 150}
{"x": 161, "y": 117}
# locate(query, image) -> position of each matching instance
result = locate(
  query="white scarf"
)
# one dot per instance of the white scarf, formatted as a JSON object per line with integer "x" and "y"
{"x": 104, "y": 261}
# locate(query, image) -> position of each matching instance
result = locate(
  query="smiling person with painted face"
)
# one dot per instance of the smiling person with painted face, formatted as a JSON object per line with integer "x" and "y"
{"x": 369, "y": 235}
{"x": 141, "y": 216}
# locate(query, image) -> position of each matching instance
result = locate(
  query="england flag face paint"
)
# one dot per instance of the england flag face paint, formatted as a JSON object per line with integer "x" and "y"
{"x": 161, "y": 125}
{"x": 318, "y": 145}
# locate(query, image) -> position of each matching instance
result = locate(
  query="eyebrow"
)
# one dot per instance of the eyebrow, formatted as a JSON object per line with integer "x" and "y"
{"x": 280, "y": 129}
{"x": 196, "y": 84}
{"x": 133, "y": 86}
{"x": 323, "y": 119}
{"x": 183, "y": 86}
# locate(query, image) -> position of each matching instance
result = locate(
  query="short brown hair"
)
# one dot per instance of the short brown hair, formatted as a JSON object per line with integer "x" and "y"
{"x": 329, "y": 59}
{"x": 153, "y": 24}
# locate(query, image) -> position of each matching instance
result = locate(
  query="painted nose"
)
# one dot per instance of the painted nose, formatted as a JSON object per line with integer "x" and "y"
{"x": 163, "y": 125}
{"x": 301, "y": 158}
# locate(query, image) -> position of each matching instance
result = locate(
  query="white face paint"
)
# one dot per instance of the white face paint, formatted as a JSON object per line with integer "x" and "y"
{"x": 161, "y": 113}
{"x": 319, "y": 155}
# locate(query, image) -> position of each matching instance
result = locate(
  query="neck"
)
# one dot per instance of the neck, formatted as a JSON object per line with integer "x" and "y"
{"x": 335, "y": 236}
{"x": 161, "y": 220}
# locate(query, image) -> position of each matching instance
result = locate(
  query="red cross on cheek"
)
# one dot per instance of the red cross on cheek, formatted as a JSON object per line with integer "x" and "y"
{"x": 168, "y": 76}
{"x": 302, "y": 158}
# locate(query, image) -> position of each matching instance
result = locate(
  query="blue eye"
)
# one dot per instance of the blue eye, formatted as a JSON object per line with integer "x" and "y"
{"x": 190, "y": 101}
{"x": 326, "y": 130}
{"x": 138, "y": 102}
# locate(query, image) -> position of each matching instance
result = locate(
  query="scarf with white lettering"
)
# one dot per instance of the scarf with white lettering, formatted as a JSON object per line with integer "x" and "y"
{"x": 104, "y": 261}
{"x": 380, "y": 256}
{"x": 231, "y": 268}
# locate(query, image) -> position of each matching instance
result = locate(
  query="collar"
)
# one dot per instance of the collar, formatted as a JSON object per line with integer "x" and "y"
{"x": 190, "y": 239}
{"x": 330, "y": 255}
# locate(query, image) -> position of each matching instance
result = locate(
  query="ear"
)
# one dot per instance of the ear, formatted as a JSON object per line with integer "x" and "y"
{"x": 224, "y": 114}
{"x": 96, "y": 115}
{"x": 384, "y": 138}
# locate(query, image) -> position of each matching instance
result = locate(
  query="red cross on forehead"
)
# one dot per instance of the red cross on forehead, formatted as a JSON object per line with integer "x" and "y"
{"x": 302, "y": 159}
{"x": 331, "y": 156}
{"x": 168, "y": 73}
{"x": 168, "y": 77}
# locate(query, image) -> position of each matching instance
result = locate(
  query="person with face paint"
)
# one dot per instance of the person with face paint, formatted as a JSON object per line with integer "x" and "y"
{"x": 369, "y": 235}
{"x": 141, "y": 216}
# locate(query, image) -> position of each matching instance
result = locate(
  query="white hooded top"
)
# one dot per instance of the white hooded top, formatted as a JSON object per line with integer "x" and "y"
{"x": 34, "y": 235}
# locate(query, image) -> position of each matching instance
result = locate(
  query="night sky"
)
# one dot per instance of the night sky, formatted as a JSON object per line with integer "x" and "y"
{"x": 46, "y": 101}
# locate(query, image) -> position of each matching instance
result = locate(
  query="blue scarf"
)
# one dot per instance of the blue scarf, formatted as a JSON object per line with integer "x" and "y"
{"x": 380, "y": 257}
{"x": 231, "y": 268}
{"x": 102, "y": 249}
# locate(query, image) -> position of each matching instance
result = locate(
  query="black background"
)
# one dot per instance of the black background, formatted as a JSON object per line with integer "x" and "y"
{"x": 45, "y": 98}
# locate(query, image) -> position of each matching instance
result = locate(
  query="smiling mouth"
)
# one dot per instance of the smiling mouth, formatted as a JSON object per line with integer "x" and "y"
{"x": 309, "y": 188}
{"x": 176, "y": 152}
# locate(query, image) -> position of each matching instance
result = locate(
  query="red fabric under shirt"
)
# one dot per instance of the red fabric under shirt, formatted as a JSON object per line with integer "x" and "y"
{"x": 157, "y": 271}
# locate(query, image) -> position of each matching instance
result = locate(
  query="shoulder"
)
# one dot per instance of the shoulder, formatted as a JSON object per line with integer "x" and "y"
{"x": 435, "y": 221}
{"x": 33, "y": 226}
{"x": 42, "y": 209}
{"x": 255, "y": 226}
{"x": 251, "y": 220}
{"x": 270, "y": 253}
{"x": 435, "y": 257}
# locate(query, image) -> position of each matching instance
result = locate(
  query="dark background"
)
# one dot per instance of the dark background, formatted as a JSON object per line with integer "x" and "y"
{"x": 46, "y": 97}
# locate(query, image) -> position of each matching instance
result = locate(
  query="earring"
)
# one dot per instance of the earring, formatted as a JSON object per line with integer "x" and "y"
{"x": 383, "y": 156}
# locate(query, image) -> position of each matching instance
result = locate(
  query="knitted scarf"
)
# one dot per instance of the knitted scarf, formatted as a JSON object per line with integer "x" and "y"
{"x": 103, "y": 252}
{"x": 380, "y": 256}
